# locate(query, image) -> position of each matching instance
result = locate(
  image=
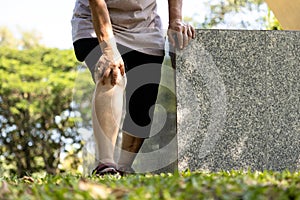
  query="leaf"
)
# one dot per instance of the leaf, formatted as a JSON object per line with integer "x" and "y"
{"x": 4, "y": 189}
{"x": 101, "y": 191}
{"x": 96, "y": 190}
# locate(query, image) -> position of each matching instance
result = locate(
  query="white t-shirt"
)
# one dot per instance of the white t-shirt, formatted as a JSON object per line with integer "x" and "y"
{"x": 135, "y": 23}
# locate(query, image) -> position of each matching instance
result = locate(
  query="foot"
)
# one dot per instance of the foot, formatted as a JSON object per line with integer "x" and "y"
{"x": 125, "y": 170}
{"x": 105, "y": 169}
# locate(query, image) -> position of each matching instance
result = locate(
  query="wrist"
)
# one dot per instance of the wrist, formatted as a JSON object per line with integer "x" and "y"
{"x": 109, "y": 49}
{"x": 175, "y": 21}
{"x": 108, "y": 44}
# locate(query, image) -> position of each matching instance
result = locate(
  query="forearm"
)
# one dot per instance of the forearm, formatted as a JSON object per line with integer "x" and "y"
{"x": 175, "y": 10}
{"x": 101, "y": 20}
{"x": 110, "y": 63}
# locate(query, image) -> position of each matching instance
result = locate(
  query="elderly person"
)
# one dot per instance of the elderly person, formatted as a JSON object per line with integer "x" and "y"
{"x": 113, "y": 37}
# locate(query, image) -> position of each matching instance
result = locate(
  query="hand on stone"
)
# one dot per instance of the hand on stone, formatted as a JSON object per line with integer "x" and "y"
{"x": 180, "y": 33}
{"x": 110, "y": 65}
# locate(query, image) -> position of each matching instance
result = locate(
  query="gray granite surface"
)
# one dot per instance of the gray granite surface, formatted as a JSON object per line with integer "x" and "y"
{"x": 238, "y": 104}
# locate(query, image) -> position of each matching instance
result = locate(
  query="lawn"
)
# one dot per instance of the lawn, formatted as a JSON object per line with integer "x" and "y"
{"x": 187, "y": 185}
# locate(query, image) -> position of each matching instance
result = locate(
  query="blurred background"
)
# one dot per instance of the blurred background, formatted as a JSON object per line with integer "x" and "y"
{"x": 49, "y": 21}
{"x": 45, "y": 93}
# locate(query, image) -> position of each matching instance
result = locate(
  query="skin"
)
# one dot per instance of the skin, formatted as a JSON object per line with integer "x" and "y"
{"x": 177, "y": 28}
{"x": 103, "y": 28}
{"x": 104, "y": 32}
{"x": 112, "y": 65}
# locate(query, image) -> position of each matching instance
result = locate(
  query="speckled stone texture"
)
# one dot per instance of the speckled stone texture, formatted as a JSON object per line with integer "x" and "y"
{"x": 238, "y": 103}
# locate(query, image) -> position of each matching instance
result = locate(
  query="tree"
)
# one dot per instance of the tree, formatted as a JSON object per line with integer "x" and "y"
{"x": 227, "y": 13}
{"x": 273, "y": 23}
{"x": 36, "y": 118}
{"x": 30, "y": 39}
{"x": 7, "y": 38}
{"x": 220, "y": 9}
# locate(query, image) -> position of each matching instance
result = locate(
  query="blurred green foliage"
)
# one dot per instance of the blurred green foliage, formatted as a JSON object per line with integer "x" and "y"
{"x": 220, "y": 8}
{"x": 37, "y": 121}
{"x": 223, "y": 185}
{"x": 236, "y": 14}
{"x": 28, "y": 40}
{"x": 273, "y": 23}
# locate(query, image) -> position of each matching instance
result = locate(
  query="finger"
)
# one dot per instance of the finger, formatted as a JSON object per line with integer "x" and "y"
{"x": 180, "y": 39}
{"x": 106, "y": 72}
{"x": 193, "y": 32}
{"x": 171, "y": 38}
{"x": 105, "y": 75}
{"x": 103, "y": 81}
{"x": 190, "y": 33}
{"x": 122, "y": 69}
{"x": 114, "y": 76}
{"x": 185, "y": 37}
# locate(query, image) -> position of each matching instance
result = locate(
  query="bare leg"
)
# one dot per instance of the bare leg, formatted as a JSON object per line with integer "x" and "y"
{"x": 130, "y": 147}
{"x": 106, "y": 115}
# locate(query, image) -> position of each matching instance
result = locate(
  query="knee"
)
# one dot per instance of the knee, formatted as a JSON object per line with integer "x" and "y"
{"x": 105, "y": 85}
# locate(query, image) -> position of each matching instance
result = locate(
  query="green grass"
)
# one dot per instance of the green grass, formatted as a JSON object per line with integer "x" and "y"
{"x": 197, "y": 185}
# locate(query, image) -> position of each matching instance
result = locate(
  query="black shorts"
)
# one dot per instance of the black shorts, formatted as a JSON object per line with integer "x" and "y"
{"x": 143, "y": 73}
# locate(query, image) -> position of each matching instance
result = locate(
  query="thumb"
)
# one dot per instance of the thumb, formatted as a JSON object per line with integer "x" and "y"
{"x": 171, "y": 37}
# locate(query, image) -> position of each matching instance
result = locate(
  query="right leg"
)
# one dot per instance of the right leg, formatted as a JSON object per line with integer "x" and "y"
{"x": 106, "y": 116}
{"x": 107, "y": 106}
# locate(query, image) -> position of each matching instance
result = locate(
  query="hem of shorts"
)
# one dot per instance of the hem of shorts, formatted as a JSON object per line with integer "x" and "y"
{"x": 150, "y": 51}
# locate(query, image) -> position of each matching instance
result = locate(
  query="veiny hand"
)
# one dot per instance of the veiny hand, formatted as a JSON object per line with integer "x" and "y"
{"x": 180, "y": 34}
{"x": 110, "y": 65}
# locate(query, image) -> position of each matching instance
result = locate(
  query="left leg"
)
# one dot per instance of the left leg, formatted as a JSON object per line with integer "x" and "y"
{"x": 139, "y": 99}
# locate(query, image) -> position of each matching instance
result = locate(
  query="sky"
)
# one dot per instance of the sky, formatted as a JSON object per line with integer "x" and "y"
{"x": 51, "y": 19}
